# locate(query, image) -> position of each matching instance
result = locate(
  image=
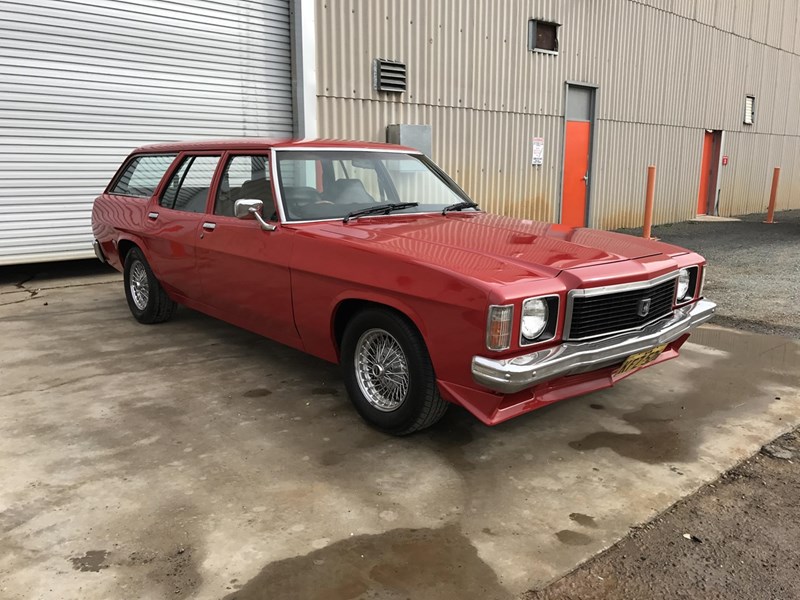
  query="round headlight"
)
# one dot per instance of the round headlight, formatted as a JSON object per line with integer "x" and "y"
{"x": 534, "y": 318}
{"x": 684, "y": 279}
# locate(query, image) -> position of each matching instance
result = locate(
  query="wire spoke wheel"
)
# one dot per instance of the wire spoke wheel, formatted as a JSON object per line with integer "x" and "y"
{"x": 381, "y": 370}
{"x": 139, "y": 285}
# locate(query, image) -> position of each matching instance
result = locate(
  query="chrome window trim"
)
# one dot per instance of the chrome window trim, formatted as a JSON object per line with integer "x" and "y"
{"x": 539, "y": 340}
{"x": 613, "y": 289}
{"x": 355, "y": 222}
{"x": 343, "y": 149}
{"x": 276, "y": 184}
{"x": 488, "y": 322}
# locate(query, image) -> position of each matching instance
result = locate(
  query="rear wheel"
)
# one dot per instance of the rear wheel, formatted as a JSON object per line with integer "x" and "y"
{"x": 147, "y": 300}
{"x": 388, "y": 373}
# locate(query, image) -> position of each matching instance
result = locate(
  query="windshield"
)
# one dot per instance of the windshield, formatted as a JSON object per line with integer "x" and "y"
{"x": 331, "y": 184}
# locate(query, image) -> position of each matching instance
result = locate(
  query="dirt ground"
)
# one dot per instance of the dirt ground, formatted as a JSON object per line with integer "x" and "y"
{"x": 736, "y": 538}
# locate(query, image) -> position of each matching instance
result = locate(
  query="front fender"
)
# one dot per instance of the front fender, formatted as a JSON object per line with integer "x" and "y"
{"x": 376, "y": 297}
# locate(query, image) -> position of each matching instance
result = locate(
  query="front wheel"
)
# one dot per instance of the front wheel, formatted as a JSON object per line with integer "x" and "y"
{"x": 147, "y": 300}
{"x": 388, "y": 373}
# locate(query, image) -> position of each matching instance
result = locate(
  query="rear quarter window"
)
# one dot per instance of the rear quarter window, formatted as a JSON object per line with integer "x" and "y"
{"x": 142, "y": 175}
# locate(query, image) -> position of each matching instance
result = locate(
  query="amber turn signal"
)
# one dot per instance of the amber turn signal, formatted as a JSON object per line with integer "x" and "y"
{"x": 498, "y": 327}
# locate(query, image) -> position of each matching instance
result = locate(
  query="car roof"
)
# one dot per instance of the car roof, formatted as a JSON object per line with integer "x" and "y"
{"x": 259, "y": 143}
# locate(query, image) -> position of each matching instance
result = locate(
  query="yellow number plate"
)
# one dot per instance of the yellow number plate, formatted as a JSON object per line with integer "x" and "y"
{"x": 640, "y": 359}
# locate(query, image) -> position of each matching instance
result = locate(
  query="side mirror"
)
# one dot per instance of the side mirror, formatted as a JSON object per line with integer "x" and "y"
{"x": 250, "y": 208}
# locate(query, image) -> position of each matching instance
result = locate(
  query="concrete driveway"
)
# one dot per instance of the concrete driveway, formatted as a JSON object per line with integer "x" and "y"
{"x": 195, "y": 460}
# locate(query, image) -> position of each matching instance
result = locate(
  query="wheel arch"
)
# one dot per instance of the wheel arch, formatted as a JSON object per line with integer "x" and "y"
{"x": 346, "y": 308}
{"x": 123, "y": 247}
{"x": 127, "y": 243}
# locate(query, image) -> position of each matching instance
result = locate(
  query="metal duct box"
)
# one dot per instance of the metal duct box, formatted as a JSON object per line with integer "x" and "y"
{"x": 418, "y": 137}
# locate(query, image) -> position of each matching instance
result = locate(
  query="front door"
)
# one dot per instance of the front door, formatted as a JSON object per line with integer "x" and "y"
{"x": 578, "y": 132}
{"x": 244, "y": 269}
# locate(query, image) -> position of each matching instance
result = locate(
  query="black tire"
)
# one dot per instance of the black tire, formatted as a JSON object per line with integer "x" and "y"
{"x": 158, "y": 307}
{"x": 421, "y": 405}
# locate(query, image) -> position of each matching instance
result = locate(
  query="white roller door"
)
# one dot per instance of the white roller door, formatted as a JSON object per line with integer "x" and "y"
{"x": 83, "y": 82}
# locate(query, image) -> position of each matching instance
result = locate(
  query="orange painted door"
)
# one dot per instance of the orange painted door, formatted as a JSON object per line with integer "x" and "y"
{"x": 705, "y": 173}
{"x": 576, "y": 170}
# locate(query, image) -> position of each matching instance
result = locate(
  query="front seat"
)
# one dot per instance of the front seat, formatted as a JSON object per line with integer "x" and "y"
{"x": 349, "y": 191}
{"x": 258, "y": 189}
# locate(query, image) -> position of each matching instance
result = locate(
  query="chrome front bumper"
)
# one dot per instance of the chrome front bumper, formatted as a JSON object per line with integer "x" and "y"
{"x": 515, "y": 374}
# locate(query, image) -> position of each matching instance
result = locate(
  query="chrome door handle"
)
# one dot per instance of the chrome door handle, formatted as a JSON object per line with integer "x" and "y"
{"x": 152, "y": 216}
{"x": 209, "y": 226}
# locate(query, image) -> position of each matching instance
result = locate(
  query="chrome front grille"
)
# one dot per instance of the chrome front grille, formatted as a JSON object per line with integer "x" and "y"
{"x": 600, "y": 312}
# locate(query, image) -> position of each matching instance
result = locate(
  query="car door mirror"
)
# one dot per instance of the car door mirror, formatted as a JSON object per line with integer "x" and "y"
{"x": 250, "y": 208}
{"x": 246, "y": 208}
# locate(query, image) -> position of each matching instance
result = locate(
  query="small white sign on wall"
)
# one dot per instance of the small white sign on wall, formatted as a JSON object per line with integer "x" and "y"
{"x": 537, "y": 147}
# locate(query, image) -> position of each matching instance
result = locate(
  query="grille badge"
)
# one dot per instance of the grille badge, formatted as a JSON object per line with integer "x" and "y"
{"x": 644, "y": 307}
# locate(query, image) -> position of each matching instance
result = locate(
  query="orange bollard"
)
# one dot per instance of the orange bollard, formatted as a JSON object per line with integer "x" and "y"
{"x": 773, "y": 196}
{"x": 648, "y": 204}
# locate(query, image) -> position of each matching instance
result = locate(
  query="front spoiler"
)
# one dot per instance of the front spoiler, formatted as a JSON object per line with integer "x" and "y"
{"x": 511, "y": 375}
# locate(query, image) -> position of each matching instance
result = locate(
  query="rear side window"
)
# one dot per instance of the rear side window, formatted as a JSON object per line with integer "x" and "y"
{"x": 188, "y": 188}
{"x": 142, "y": 175}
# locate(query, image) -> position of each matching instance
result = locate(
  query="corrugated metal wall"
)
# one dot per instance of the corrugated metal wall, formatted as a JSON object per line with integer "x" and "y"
{"x": 84, "y": 83}
{"x": 666, "y": 70}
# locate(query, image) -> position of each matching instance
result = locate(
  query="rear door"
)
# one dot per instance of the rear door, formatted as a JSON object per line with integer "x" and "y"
{"x": 244, "y": 269}
{"x": 173, "y": 223}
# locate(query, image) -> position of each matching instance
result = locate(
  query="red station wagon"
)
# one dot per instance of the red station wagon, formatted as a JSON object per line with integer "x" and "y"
{"x": 368, "y": 255}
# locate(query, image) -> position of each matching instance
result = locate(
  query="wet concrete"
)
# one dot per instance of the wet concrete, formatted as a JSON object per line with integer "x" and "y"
{"x": 397, "y": 564}
{"x": 93, "y": 560}
{"x": 206, "y": 462}
{"x": 729, "y": 384}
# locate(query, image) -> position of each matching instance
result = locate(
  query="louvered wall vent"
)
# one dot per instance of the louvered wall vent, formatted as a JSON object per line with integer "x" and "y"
{"x": 389, "y": 76}
{"x": 749, "y": 110}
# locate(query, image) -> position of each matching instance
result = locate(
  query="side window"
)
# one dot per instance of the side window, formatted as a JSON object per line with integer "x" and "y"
{"x": 142, "y": 175}
{"x": 245, "y": 178}
{"x": 188, "y": 187}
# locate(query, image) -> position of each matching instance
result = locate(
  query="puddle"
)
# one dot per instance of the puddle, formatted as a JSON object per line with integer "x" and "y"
{"x": 583, "y": 520}
{"x": 324, "y": 391}
{"x": 737, "y": 372}
{"x": 573, "y": 538}
{"x": 93, "y": 560}
{"x": 423, "y": 564}
{"x": 257, "y": 393}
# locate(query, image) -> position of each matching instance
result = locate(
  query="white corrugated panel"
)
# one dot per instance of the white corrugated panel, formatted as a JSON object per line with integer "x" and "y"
{"x": 83, "y": 83}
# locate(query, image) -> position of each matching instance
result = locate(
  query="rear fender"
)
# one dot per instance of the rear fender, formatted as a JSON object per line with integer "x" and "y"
{"x": 128, "y": 239}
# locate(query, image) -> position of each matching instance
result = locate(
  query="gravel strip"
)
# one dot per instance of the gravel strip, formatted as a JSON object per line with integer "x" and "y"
{"x": 736, "y": 538}
{"x": 754, "y": 269}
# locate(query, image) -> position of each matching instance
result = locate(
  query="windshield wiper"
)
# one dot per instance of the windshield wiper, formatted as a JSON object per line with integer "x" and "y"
{"x": 459, "y": 206}
{"x": 383, "y": 209}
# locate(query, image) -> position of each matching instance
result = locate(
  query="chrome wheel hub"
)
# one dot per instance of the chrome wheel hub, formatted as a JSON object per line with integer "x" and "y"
{"x": 381, "y": 370}
{"x": 140, "y": 288}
